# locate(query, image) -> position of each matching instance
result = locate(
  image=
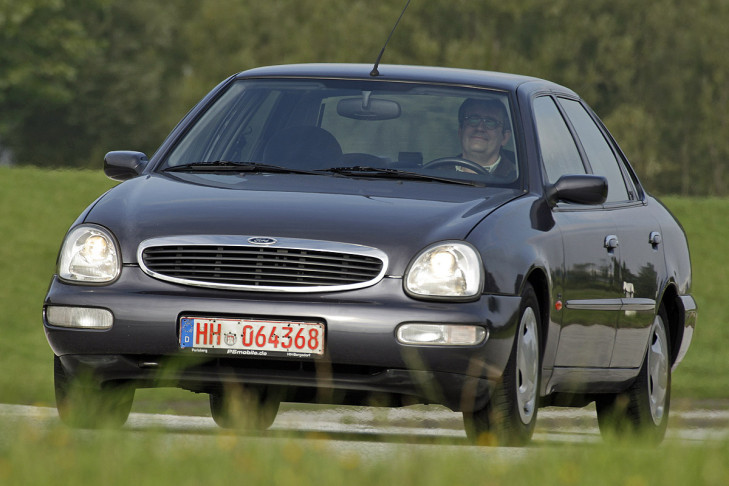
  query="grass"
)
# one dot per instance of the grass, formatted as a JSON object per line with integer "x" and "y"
{"x": 705, "y": 223}
{"x": 58, "y": 455}
{"x": 39, "y": 206}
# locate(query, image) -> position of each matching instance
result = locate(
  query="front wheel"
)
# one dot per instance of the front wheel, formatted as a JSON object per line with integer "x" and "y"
{"x": 642, "y": 410}
{"x": 245, "y": 407}
{"x": 84, "y": 404}
{"x": 511, "y": 413}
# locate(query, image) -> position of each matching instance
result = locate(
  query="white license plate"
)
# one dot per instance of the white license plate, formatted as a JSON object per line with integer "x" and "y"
{"x": 252, "y": 337}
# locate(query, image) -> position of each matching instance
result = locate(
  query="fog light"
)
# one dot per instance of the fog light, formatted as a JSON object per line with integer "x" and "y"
{"x": 441, "y": 334}
{"x": 79, "y": 317}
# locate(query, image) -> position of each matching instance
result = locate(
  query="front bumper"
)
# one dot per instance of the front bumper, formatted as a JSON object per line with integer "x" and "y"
{"x": 318, "y": 382}
{"x": 362, "y": 357}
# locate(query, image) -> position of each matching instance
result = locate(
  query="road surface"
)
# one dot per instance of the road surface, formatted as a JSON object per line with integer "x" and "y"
{"x": 376, "y": 433}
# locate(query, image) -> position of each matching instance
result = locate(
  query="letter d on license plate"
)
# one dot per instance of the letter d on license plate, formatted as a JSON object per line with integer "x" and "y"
{"x": 252, "y": 337}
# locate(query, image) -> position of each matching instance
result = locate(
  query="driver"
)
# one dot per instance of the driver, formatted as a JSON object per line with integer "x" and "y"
{"x": 483, "y": 128}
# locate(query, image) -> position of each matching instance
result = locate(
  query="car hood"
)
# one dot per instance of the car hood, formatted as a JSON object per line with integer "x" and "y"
{"x": 397, "y": 217}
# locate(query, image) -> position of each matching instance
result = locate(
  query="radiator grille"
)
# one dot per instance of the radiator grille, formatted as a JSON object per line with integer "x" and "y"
{"x": 261, "y": 268}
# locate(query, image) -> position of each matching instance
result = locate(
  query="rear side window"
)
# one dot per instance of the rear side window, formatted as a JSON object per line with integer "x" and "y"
{"x": 599, "y": 153}
{"x": 559, "y": 152}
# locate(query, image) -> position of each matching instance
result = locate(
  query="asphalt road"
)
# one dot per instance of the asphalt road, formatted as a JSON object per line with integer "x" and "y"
{"x": 376, "y": 433}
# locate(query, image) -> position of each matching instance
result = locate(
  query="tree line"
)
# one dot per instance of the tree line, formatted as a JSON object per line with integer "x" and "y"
{"x": 81, "y": 77}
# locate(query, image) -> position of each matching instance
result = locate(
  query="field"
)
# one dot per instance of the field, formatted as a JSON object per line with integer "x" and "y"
{"x": 39, "y": 206}
{"x": 62, "y": 456}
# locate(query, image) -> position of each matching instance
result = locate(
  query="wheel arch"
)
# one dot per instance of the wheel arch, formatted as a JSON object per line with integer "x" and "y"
{"x": 675, "y": 312}
{"x": 540, "y": 283}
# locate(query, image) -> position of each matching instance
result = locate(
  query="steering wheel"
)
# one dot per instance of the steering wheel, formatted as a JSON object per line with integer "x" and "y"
{"x": 456, "y": 161}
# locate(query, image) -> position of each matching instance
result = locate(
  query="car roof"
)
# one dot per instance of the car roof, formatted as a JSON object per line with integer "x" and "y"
{"x": 392, "y": 72}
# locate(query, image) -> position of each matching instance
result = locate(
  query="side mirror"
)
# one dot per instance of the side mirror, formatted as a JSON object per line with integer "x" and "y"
{"x": 123, "y": 165}
{"x": 578, "y": 189}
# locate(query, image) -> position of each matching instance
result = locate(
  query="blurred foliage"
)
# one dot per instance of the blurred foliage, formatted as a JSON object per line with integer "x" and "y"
{"x": 81, "y": 77}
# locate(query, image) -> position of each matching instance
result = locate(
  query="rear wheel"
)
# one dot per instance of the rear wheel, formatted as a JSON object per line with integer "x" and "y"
{"x": 244, "y": 407}
{"x": 83, "y": 403}
{"x": 642, "y": 410}
{"x": 511, "y": 413}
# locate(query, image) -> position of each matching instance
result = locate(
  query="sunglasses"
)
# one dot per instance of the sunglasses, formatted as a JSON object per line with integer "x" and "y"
{"x": 475, "y": 120}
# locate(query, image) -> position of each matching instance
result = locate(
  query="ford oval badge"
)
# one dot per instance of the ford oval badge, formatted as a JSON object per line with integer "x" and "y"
{"x": 260, "y": 240}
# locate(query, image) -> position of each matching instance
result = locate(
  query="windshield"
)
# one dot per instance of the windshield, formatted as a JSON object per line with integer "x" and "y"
{"x": 354, "y": 128}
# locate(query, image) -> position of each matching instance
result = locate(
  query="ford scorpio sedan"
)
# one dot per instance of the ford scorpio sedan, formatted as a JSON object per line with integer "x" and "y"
{"x": 324, "y": 234}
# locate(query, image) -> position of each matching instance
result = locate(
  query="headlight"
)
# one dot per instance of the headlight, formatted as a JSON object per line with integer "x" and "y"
{"x": 448, "y": 270}
{"x": 89, "y": 255}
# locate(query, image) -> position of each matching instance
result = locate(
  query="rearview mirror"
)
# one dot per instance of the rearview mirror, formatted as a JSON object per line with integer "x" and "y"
{"x": 367, "y": 108}
{"x": 578, "y": 189}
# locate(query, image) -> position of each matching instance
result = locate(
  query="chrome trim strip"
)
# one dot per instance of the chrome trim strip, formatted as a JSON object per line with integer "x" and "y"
{"x": 639, "y": 305}
{"x": 282, "y": 243}
{"x": 628, "y": 305}
{"x": 595, "y": 304}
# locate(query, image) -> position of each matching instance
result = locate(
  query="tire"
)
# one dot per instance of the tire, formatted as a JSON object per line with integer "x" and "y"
{"x": 87, "y": 405}
{"x": 642, "y": 410}
{"x": 509, "y": 417}
{"x": 244, "y": 408}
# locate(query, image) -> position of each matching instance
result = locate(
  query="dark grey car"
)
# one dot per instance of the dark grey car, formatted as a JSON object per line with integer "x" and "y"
{"x": 314, "y": 233}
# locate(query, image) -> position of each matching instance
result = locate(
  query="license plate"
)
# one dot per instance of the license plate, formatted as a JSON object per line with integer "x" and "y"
{"x": 252, "y": 337}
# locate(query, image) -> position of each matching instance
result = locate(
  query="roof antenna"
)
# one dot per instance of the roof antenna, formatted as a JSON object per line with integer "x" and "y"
{"x": 374, "y": 71}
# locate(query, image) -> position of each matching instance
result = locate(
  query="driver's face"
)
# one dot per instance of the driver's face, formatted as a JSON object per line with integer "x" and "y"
{"x": 481, "y": 144}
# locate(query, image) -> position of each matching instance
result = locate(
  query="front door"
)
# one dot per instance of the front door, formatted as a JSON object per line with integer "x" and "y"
{"x": 591, "y": 294}
{"x": 591, "y": 299}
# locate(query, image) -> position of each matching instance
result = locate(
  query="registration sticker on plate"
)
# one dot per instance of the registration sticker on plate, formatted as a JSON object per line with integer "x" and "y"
{"x": 252, "y": 337}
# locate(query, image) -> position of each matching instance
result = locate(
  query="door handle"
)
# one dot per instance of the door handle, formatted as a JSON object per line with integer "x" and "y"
{"x": 655, "y": 239}
{"x": 611, "y": 242}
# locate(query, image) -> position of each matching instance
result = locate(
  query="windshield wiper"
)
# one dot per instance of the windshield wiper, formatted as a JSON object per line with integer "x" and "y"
{"x": 224, "y": 166}
{"x": 227, "y": 166}
{"x": 365, "y": 171}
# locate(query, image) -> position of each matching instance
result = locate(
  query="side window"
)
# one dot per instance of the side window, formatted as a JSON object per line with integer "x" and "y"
{"x": 559, "y": 152}
{"x": 599, "y": 154}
